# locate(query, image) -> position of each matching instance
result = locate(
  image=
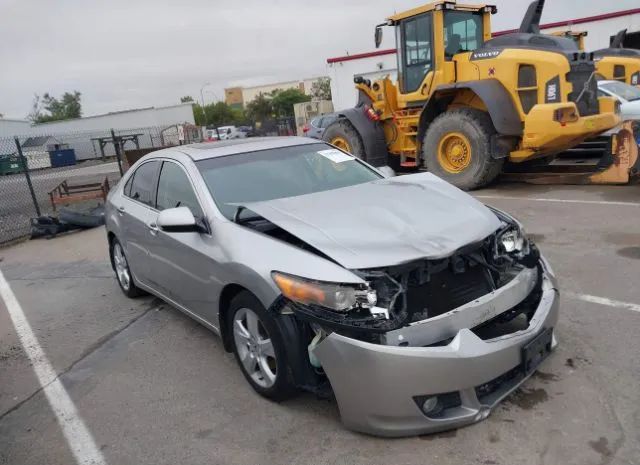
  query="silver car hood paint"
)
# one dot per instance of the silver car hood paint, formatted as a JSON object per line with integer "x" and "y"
{"x": 384, "y": 222}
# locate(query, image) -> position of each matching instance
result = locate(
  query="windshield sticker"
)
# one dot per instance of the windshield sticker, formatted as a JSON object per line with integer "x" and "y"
{"x": 335, "y": 156}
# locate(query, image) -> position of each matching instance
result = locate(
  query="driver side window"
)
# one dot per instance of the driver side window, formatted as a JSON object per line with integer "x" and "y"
{"x": 175, "y": 190}
{"x": 416, "y": 53}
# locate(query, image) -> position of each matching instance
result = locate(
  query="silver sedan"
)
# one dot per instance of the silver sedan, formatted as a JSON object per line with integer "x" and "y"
{"x": 412, "y": 303}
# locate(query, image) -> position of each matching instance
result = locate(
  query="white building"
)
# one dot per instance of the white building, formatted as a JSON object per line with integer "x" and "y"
{"x": 12, "y": 127}
{"x": 149, "y": 127}
{"x": 121, "y": 120}
{"x": 371, "y": 65}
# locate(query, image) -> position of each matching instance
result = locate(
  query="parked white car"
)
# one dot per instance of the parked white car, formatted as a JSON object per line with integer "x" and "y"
{"x": 231, "y": 132}
{"x": 629, "y": 97}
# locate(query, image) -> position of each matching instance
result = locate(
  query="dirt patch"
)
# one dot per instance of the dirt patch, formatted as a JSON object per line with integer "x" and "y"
{"x": 601, "y": 446}
{"x": 445, "y": 435}
{"x": 204, "y": 433}
{"x": 537, "y": 238}
{"x": 570, "y": 363}
{"x": 11, "y": 353}
{"x": 527, "y": 399}
{"x": 630, "y": 240}
{"x": 494, "y": 437}
{"x": 545, "y": 377}
{"x": 629, "y": 252}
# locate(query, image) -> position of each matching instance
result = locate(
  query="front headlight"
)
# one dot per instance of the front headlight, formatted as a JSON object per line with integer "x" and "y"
{"x": 512, "y": 240}
{"x": 335, "y": 296}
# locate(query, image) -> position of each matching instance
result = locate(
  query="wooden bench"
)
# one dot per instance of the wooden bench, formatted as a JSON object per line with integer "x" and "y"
{"x": 65, "y": 193}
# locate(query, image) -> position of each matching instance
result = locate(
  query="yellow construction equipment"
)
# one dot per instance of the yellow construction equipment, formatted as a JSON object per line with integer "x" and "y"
{"x": 465, "y": 103}
{"x": 619, "y": 165}
{"x": 612, "y": 63}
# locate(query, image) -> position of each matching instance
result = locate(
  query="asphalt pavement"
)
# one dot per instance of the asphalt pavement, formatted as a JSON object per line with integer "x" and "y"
{"x": 151, "y": 386}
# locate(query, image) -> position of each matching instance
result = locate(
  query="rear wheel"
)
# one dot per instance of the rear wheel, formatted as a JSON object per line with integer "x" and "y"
{"x": 343, "y": 135}
{"x": 123, "y": 272}
{"x": 457, "y": 148}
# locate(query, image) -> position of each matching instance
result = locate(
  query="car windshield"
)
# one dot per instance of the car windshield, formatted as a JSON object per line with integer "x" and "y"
{"x": 620, "y": 89}
{"x": 277, "y": 173}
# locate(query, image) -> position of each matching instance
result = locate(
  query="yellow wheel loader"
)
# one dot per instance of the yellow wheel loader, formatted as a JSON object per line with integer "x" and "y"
{"x": 465, "y": 103}
{"x": 612, "y": 63}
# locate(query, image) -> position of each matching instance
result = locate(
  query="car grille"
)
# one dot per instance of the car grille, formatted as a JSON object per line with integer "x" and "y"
{"x": 583, "y": 74}
{"x": 447, "y": 290}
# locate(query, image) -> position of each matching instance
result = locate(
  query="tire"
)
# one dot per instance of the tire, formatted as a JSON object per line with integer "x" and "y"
{"x": 91, "y": 219}
{"x": 343, "y": 135}
{"x": 461, "y": 131}
{"x": 123, "y": 275}
{"x": 259, "y": 350}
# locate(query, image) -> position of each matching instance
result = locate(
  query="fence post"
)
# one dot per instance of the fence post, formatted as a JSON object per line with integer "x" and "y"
{"x": 116, "y": 144}
{"x": 25, "y": 167}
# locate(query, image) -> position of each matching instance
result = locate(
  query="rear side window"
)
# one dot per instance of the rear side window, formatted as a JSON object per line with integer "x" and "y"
{"x": 142, "y": 185}
{"x": 175, "y": 190}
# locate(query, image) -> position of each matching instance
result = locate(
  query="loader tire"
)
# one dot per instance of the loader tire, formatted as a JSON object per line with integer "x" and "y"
{"x": 343, "y": 135}
{"x": 457, "y": 148}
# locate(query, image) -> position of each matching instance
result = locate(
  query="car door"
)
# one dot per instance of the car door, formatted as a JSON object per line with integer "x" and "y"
{"x": 136, "y": 209}
{"x": 179, "y": 264}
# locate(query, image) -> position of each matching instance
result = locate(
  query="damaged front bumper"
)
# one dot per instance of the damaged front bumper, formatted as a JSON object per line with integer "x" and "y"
{"x": 382, "y": 389}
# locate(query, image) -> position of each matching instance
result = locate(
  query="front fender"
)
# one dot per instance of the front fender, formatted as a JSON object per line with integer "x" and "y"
{"x": 494, "y": 95}
{"x": 371, "y": 132}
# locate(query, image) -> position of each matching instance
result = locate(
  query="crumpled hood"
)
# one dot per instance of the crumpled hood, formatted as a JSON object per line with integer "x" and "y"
{"x": 384, "y": 222}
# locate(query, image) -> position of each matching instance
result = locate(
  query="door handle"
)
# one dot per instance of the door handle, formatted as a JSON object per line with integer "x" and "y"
{"x": 153, "y": 228}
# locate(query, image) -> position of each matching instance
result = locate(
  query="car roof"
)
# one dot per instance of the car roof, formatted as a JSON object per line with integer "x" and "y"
{"x": 205, "y": 150}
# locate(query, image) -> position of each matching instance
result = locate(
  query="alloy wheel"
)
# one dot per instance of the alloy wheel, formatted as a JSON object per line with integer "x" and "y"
{"x": 254, "y": 347}
{"x": 122, "y": 267}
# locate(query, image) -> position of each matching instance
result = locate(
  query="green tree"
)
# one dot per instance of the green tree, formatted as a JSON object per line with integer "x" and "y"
{"x": 186, "y": 99}
{"x": 282, "y": 101}
{"x": 217, "y": 114}
{"x": 48, "y": 108}
{"x": 260, "y": 108}
{"x": 321, "y": 89}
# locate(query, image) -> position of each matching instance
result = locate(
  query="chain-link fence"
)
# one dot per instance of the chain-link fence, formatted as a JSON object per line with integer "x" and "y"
{"x": 41, "y": 173}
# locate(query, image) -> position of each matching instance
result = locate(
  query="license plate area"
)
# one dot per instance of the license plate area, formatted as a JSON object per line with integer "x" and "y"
{"x": 536, "y": 350}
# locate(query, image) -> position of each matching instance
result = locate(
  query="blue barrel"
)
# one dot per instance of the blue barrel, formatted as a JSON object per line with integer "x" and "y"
{"x": 62, "y": 157}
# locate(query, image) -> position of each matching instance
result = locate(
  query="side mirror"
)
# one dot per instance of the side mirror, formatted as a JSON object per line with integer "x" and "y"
{"x": 387, "y": 171}
{"x": 178, "y": 219}
{"x": 378, "y": 36}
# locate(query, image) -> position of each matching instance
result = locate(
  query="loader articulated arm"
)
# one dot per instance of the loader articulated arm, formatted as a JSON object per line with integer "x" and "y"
{"x": 531, "y": 21}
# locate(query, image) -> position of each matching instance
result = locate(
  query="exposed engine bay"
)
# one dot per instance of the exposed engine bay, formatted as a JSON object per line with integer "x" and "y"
{"x": 417, "y": 292}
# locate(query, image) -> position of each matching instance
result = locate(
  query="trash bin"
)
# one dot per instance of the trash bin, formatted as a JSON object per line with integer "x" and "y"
{"x": 62, "y": 157}
{"x": 10, "y": 164}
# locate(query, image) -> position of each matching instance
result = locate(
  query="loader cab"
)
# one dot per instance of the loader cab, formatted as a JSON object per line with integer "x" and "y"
{"x": 428, "y": 38}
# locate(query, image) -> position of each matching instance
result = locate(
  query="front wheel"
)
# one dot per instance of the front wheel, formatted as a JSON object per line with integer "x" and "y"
{"x": 259, "y": 348}
{"x": 343, "y": 135}
{"x": 457, "y": 148}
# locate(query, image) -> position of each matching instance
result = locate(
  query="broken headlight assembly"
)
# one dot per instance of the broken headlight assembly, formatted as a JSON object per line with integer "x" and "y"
{"x": 333, "y": 296}
{"x": 511, "y": 239}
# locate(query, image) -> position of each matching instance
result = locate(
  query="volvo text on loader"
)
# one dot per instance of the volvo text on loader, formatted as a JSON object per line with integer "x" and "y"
{"x": 465, "y": 103}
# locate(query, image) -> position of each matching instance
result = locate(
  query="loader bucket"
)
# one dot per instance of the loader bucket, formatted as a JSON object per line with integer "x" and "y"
{"x": 620, "y": 166}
